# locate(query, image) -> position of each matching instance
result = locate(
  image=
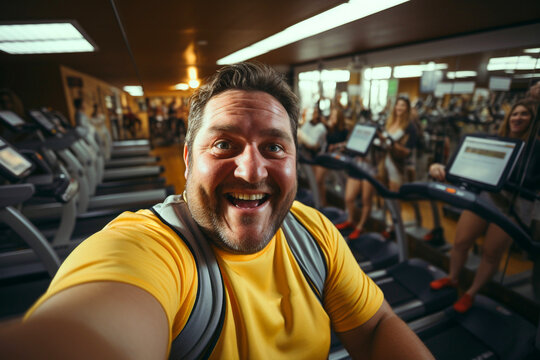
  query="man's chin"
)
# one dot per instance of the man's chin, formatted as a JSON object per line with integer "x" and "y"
{"x": 249, "y": 243}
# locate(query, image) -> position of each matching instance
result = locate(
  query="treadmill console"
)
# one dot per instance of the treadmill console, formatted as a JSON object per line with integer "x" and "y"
{"x": 12, "y": 120}
{"x": 13, "y": 165}
{"x": 483, "y": 162}
{"x": 361, "y": 138}
{"x": 44, "y": 123}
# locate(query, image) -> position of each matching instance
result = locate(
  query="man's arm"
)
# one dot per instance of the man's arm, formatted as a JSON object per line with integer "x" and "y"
{"x": 101, "y": 320}
{"x": 384, "y": 336}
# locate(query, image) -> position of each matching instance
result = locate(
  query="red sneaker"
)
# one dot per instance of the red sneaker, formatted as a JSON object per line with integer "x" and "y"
{"x": 355, "y": 234}
{"x": 345, "y": 225}
{"x": 442, "y": 283}
{"x": 464, "y": 303}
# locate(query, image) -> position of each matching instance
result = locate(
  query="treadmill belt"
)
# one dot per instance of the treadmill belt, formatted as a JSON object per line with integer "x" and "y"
{"x": 456, "y": 342}
{"x": 395, "y": 294}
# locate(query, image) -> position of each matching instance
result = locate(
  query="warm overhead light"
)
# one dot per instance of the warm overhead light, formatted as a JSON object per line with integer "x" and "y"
{"x": 532, "y": 51}
{"x": 192, "y": 72}
{"x": 194, "y": 83}
{"x": 525, "y": 62}
{"x": 181, "y": 86}
{"x": 134, "y": 90}
{"x": 337, "y": 16}
{"x": 460, "y": 74}
{"x": 43, "y": 38}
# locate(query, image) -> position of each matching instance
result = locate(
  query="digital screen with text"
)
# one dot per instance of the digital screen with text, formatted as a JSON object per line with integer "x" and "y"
{"x": 482, "y": 160}
{"x": 361, "y": 138}
{"x": 13, "y": 161}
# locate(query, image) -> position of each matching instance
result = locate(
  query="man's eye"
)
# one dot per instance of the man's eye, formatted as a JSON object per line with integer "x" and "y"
{"x": 223, "y": 145}
{"x": 274, "y": 148}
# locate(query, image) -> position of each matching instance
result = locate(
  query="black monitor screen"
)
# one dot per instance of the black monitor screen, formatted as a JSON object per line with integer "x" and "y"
{"x": 484, "y": 161}
{"x": 361, "y": 138}
{"x": 13, "y": 162}
{"x": 11, "y": 118}
{"x": 42, "y": 120}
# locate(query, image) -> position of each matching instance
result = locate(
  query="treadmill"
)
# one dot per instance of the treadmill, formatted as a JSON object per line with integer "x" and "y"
{"x": 371, "y": 250}
{"x": 17, "y": 290}
{"x": 488, "y": 330}
{"x": 51, "y": 186}
{"x": 45, "y": 119}
{"x": 406, "y": 284}
{"x": 116, "y": 202}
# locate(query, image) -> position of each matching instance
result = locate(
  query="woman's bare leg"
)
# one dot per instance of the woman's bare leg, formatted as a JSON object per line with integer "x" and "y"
{"x": 495, "y": 245}
{"x": 367, "y": 201}
{"x": 353, "y": 187}
{"x": 468, "y": 229}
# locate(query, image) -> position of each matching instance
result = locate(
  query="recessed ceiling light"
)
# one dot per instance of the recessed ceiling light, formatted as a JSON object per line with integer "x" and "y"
{"x": 44, "y": 38}
{"x": 524, "y": 62}
{"x": 337, "y": 16}
{"x": 181, "y": 86}
{"x": 194, "y": 83}
{"x": 532, "y": 51}
{"x": 134, "y": 90}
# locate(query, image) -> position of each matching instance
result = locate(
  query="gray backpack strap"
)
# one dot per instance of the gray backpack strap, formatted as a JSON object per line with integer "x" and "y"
{"x": 307, "y": 253}
{"x": 199, "y": 336}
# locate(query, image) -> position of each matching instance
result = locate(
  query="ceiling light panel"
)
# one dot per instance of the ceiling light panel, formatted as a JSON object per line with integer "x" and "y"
{"x": 43, "y": 38}
{"x": 335, "y": 17}
{"x": 134, "y": 90}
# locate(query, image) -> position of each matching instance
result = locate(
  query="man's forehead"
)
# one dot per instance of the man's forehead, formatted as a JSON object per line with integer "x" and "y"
{"x": 242, "y": 100}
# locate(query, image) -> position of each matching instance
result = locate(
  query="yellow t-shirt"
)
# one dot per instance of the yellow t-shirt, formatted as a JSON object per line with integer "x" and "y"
{"x": 271, "y": 311}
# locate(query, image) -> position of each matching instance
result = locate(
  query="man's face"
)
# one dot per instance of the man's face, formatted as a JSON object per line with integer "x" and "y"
{"x": 242, "y": 179}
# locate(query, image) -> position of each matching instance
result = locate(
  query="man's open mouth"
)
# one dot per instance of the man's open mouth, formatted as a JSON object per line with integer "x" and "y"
{"x": 246, "y": 201}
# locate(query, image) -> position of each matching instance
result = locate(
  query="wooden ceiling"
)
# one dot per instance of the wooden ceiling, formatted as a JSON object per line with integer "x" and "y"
{"x": 168, "y": 36}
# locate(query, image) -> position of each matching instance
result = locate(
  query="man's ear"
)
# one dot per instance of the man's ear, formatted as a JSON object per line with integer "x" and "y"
{"x": 186, "y": 161}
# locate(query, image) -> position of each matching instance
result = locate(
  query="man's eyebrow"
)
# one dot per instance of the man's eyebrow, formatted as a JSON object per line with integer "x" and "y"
{"x": 272, "y": 132}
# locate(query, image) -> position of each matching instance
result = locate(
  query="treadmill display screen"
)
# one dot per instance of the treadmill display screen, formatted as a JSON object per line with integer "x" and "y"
{"x": 361, "y": 138}
{"x": 42, "y": 120}
{"x": 484, "y": 161}
{"x": 11, "y": 118}
{"x": 14, "y": 162}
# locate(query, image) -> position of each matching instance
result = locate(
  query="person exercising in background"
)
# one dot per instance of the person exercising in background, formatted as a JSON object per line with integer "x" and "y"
{"x": 335, "y": 135}
{"x": 127, "y": 291}
{"x": 517, "y": 124}
{"x": 403, "y": 134}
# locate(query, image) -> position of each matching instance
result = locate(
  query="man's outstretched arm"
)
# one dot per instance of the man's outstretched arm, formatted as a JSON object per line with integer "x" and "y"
{"x": 101, "y": 320}
{"x": 384, "y": 336}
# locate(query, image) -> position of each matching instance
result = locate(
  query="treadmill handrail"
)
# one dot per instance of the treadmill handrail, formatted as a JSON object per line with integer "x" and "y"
{"x": 339, "y": 161}
{"x": 470, "y": 201}
{"x": 15, "y": 194}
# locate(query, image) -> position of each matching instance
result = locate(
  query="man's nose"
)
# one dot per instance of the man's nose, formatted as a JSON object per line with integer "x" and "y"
{"x": 251, "y": 165}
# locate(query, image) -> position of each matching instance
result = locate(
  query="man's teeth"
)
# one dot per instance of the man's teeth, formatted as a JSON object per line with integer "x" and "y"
{"x": 240, "y": 196}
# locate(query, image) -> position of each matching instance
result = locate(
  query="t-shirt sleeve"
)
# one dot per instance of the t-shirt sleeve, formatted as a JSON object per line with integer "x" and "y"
{"x": 136, "y": 249}
{"x": 350, "y": 297}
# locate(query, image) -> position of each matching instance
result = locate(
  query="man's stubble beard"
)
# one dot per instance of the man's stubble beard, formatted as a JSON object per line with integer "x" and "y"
{"x": 213, "y": 225}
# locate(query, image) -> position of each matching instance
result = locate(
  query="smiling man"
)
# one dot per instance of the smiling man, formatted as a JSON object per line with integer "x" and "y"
{"x": 241, "y": 170}
{"x": 129, "y": 291}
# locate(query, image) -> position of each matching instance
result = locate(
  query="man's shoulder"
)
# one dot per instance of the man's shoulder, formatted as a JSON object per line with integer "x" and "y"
{"x": 311, "y": 218}
{"x": 140, "y": 218}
